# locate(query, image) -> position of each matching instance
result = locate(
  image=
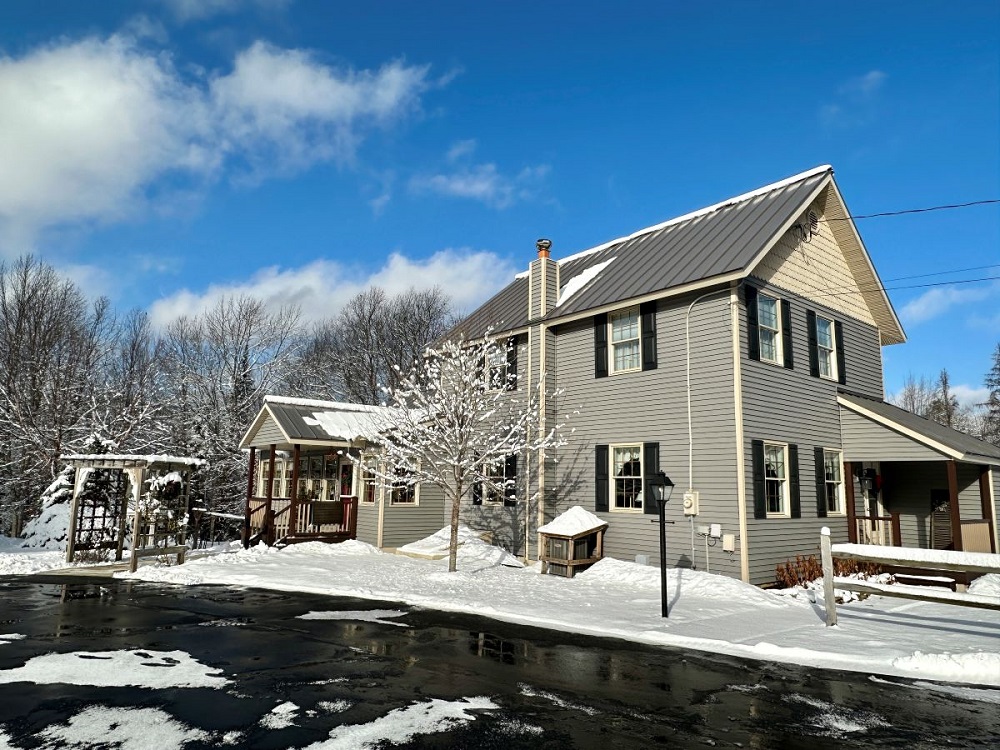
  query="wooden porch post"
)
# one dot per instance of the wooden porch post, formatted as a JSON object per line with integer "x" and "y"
{"x": 956, "y": 512}
{"x": 852, "y": 523}
{"x": 897, "y": 532}
{"x": 268, "y": 513}
{"x": 987, "y": 502}
{"x": 252, "y": 465}
{"x": 293, "y": 510}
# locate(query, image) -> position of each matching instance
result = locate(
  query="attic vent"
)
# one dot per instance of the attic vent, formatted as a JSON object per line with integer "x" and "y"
{"x": 813, "y": 223}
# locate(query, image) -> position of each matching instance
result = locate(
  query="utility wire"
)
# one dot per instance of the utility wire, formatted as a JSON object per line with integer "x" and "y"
{"x": 915, "y": 210}
{"x": 942, "y": 273}
{"x": 879, "y": 287}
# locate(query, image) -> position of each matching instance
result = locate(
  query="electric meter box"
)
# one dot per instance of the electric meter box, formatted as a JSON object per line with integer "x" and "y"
{"x": 691, "y": 503}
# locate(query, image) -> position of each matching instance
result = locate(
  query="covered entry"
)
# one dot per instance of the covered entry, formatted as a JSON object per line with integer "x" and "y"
{"x": 915, "y": 483}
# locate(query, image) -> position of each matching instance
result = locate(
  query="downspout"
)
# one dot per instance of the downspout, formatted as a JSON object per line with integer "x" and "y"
{"x": 741, "y": 478}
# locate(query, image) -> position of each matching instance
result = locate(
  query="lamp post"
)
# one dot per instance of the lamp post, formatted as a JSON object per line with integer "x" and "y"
{"x": 660, "y": 488}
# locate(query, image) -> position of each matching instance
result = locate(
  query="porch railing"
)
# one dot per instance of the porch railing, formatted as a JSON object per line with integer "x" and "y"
{"x": 326, "y": 520}
{"x": 878, "y": 530}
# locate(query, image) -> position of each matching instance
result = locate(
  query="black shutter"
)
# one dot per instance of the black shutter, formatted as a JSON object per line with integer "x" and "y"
{"x": 477, "y": 493}
{"x": 786, "y": 333}
{"x": 838, "y": 332}
{"x": 601, "y": 346}
{"x": 650, "y": 465}
{"x": 820, "y": 483}
{"x": 813, "y": 344}
{"x": 759, "y": 504}
{"x": 753, "y": 333}
{"x": 510, "y": 487}
{"x": 647, "y": 313}
{"x": 483, "y": 374}
{"x": 512, "y": 364}
{"x": 601, "y": 479}
{"x": 793, "y": 481}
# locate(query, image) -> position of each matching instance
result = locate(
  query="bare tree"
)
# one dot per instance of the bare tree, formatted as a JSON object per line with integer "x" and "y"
{"x": 916, "y": 395}
{"x": 451, "y": 427}
{"x": 944, "y": 407}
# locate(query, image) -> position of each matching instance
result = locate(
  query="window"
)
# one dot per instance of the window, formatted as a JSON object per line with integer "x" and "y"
{"x": 496, "y": 370}
{"x": 769, "y": 329}
{"x": 776, "y": 479}
{"x": 626, "y": 469}
{"x": 826, "y": 350}
{"x": 499, "y": 475}
{"x": 403, "y": 490}
{"x": 833, "y": 462}
{"x": 625, "y": 348}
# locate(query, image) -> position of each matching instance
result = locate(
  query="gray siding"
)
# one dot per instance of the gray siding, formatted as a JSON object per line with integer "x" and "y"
{"x": 865, "y": 440}
{"x": 650, "y": 406}
{"x": 791, "y": 406}
{"x": 908, "y": 489}
{"x": 268, "y": 433}
{"x": 368, "y": 523}
{"x": 403, "y": 524}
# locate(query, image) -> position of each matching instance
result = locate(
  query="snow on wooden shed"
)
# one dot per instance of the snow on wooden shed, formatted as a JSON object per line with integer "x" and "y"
{"x": 572, "y": 541}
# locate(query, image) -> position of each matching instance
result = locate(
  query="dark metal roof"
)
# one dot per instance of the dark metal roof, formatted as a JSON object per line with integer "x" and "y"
{"x": 958, "y": 441}
{"x": 715, "y": 241}
{"x": 291, "y": 419}
{"x": 720, "y": 241}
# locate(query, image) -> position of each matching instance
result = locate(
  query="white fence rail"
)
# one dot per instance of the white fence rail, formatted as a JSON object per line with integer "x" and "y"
{"x": 965, "y": 562}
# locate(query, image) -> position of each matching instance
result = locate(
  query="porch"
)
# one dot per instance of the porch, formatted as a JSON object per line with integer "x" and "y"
{"x": 910, "y": 482}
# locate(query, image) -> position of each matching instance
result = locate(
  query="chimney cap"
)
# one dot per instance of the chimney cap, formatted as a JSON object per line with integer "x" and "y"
{"x": 543, "y": 246}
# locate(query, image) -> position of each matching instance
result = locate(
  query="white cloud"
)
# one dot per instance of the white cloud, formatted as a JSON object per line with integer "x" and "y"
{"x": 322, "y": 287}
{"x": 198, "y": 10}
{"x": 969, "y": 396}
{"x": 90, "y": 128}
{"x": 483, "y": 183}
{"x": 855, "y": 101}
{"x": 461, "y": 149}
{"x": 937, "y": 301}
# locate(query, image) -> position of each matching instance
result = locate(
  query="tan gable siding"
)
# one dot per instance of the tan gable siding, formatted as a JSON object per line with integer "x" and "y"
{"x": 815, "y": 269}
{"x": 268, "y": 433}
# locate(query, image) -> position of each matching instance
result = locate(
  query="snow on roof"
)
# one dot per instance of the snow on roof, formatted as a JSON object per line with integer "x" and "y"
{"x": 579, "y": 281}
{"x": 573, "y": 522}
{"x": 319, "y": 404}
{"x": 703, "y": 211}
{"x": 350, "y": 425}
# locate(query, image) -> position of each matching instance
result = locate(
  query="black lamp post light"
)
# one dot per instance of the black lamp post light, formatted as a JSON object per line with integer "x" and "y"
{"x": 660, "y": 488}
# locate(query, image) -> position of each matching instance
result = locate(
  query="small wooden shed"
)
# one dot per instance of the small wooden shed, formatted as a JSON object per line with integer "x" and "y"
{"x": 571, "y": 542}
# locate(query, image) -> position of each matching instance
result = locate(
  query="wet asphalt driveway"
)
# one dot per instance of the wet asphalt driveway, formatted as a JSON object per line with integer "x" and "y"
{"x": 550, "y": 690}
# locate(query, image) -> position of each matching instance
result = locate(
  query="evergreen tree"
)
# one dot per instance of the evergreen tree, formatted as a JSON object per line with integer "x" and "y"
{"x": 991, "y": 427}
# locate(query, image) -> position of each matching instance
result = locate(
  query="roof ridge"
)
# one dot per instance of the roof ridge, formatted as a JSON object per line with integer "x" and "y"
{"x": 319, "y": 403}
{"x": 703, "y": 211}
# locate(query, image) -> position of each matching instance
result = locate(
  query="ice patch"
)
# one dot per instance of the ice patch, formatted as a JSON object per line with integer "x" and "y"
{"x": 965, "y": 693}
{"x": 530, "y": 692}
{"x": 746, "y": 688}
{"x": 403, "y": 724}
{"x": 834, "y": 721}
{"x": 371, "y": 615}
{"x": 281, "y": 716}
{"x": 131, "y": 668}
{"x": 334, "y": 707}
{"x": 6, "y": 638}
{"x": 123, "y": 729}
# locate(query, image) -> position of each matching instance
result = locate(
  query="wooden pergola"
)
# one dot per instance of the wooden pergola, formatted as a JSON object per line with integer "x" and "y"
{"x": 156, "y": 529}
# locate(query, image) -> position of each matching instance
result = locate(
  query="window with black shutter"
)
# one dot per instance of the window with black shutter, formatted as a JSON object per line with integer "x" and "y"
{"x": 510, "y": 481}
{"x": 601, "y": 478}
{"x": 601, "y": 346}
{"x": 795, "y": 498}
{"x": 753, "y": 334}
{"x": 841, "y": 359}
{"x": 820, "y": 468}
{"x": 651, "y": 465}
{"x": 786, "y": 333}
{"x": 647, "y": 314}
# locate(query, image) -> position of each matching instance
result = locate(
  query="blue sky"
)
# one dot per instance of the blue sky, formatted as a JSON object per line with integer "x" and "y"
{"x": 166, "y": 152}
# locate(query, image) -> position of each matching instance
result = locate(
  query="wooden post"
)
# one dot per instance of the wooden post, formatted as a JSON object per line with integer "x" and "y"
{"x": 987, "y": 503}
{"x": 852, "y": 521}
{"x": 830, "y": 601}
{"x": 74, "y": 509}
{"x": 122, "y": 520}
{"x": 268, "y": 513}
{"x": 136, "y": 476}
{"x": 897, "y": 532}
{"x": 293, "y": 501}
{"x": 956, "y": 512}
{"x": 251, "y": 471}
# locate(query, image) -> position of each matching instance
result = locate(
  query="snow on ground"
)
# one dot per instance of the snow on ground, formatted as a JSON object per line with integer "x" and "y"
{"x": 281, "y": 716}
{"x": 15, "y": 561}
{"x": 6, "y": 638}
{"x": 717, "y": 614}
{"x": 122, "y": 728}
{"x": 472, "y": 550}
{"x": 149, "y": 669}
{"x": 368, "y": 615}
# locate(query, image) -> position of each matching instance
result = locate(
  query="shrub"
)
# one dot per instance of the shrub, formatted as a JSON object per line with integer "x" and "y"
{"x": 803, "y": 570}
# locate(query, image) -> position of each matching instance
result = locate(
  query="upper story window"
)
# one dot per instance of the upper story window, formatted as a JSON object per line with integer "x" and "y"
{"x": 496, "y": 370}
{"x": 626, "y": 468}
{"x": 833, "y": 482}
{"x": 625, "y": 348}
{"x": 503, "y": 481}
{"x": 769, "y": 330}
{"x": 826, "y": 349}
{"x": 776, "y": 478}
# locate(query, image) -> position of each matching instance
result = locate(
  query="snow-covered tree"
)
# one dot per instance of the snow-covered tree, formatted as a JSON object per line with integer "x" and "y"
{"x": 991, "y": 426}
{"x": 452, "y": 424}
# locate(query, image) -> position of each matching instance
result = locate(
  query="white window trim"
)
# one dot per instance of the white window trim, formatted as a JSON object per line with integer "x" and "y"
{"x": 613, "y": 493}
{"x": 489, "y": 384}
{"x": 361, "y": 467}
{"x": 612, "y": 342}
{"x": 416, "y": 496}
{"x": 786, "y": 505}
{"x": 779, "y": 352}
{"x": 841, "y": 492}
{"x": 833, "y": 347}
{"x": 488, "y": 492}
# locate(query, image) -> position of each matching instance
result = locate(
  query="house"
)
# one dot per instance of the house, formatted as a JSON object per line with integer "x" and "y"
{"x": 737, "y": 349}
{"x": 307, "y": 482}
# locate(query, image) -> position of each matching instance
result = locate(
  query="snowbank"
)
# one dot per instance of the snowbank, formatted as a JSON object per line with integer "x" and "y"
{"x": 472, "y": 549}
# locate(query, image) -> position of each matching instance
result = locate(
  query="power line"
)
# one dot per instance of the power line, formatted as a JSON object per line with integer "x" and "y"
{"x": 881, "y": 288}
{"x": 942, "y": 273}
{"x": 915, "y": 210}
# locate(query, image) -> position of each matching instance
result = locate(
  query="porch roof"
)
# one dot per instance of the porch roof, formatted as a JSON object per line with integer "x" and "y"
{"x": 286, "y": 421}
{"x": 891, "y": 433}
